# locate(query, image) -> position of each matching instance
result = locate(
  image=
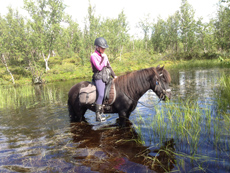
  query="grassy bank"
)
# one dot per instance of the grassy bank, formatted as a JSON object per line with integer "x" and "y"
{"x": 71, "y": 68}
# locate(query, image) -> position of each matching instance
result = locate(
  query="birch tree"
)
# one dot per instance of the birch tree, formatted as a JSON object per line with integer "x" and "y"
{"x": 145, "y": 26}
{"x": 46, "y": 17}
{"x": 187, "y": 26}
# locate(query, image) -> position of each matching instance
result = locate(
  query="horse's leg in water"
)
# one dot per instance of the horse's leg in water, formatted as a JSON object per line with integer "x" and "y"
{"x": 122, "y": 118}
{"x": 77, "y": 113}
{"x": 127, "y": 115}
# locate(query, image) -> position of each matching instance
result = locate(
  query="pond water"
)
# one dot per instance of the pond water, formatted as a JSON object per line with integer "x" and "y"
{"x": 188, "y": 133}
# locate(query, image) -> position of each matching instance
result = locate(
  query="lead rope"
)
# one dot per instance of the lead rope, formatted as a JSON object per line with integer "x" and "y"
{"x": 142, "y": 103}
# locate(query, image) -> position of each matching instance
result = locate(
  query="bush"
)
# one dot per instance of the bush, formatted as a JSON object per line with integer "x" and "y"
{"x": 68, "y": 67}
{"x": 21, "y": 71}
{"x": 73, "y": 60}
{"x": 64, "y": 68}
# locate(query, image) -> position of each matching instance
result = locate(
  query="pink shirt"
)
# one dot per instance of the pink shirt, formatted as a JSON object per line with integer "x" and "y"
{"x": 95, "y": 60}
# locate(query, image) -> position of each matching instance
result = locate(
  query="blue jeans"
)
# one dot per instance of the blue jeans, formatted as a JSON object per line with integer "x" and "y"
{"x": 100, "y": 85}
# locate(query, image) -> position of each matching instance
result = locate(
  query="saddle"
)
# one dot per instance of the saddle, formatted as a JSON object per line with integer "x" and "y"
{"x": 88, "y": 95}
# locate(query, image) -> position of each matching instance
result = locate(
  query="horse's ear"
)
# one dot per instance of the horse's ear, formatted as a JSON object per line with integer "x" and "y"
{"x": 160, "y": 69}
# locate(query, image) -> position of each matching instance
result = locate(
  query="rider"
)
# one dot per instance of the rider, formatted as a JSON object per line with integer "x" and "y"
{"x": 99, "y": 60}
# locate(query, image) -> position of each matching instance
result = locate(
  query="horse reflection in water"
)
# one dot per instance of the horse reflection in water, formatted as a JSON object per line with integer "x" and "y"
{"x": 111, "y": 149}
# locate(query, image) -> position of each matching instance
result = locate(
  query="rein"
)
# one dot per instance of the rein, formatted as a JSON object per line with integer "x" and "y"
{"x": 142, "y": 103}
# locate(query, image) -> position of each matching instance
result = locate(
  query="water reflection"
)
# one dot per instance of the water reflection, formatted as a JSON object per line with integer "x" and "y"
{"x": 36, "y": 136}
{"x": 199, "y": 83}
{"x": 111, "y": 149}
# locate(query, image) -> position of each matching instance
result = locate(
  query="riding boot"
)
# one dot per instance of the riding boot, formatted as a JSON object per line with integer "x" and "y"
{"x": 99, "y": 113}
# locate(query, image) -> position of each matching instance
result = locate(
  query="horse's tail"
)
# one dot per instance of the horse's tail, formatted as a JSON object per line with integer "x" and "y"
{"x": 71, "y": 111}
{"x": 76, "y": 111}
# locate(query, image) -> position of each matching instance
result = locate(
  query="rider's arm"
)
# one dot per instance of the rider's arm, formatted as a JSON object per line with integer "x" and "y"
{"x": 95, "y": 60}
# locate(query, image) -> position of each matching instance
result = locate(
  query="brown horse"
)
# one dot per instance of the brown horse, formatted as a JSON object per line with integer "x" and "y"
{"x": 129, "y": 88}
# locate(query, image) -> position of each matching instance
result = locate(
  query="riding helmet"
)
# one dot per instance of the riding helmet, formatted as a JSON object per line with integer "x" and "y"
{"x": 101, "y": 42}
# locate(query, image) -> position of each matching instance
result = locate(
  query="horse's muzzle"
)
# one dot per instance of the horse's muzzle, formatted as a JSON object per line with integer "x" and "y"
{"x": 166, "y": 94}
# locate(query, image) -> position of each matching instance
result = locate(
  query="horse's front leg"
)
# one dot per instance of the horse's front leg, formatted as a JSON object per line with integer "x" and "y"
{"x": 122, "y": 118}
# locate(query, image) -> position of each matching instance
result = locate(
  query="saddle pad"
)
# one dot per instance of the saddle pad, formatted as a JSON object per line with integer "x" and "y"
{"x": 87, "y": 95}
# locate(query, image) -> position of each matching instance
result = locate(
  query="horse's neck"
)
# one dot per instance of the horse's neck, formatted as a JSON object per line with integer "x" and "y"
{"x": 140, "y": 92}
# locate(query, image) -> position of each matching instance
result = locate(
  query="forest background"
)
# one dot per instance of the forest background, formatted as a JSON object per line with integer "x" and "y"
{"x": 49, "y": 45}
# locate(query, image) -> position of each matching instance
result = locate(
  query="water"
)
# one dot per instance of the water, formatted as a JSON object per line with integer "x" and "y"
{"x": 36, "y": 135}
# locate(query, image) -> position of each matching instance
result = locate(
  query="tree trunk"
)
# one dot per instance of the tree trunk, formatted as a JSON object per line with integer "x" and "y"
{"x": 121, "y": 52}
{"x": 46, "y": 61}
{"x": 5, "y": 64}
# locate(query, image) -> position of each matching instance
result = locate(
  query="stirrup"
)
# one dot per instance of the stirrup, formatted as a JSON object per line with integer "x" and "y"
{"x": 100, "y": 118}
{"x": 103, "y": 118}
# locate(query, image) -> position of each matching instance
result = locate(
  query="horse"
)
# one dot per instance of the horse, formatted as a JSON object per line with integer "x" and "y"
{"x": 129, "y": 88}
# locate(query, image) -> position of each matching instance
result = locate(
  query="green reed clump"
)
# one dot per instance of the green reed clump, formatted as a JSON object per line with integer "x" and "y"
{"x": 182, "y": 121}
{"x": 223, "y": 97}
{"x": 190, "y": 124}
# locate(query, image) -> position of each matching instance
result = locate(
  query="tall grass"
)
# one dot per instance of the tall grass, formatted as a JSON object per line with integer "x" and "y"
{"x": 192, "y": 127}
{"x": 224, "y": 96}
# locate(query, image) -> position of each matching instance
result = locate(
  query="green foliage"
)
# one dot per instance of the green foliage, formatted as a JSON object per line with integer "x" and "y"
{"x": 27, "y": 42}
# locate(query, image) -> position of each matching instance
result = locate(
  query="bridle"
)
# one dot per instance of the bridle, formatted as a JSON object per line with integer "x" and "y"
{"x": 157, "y": 84}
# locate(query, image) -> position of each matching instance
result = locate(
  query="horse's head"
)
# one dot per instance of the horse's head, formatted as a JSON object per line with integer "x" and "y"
{"x": 161, "y": 83}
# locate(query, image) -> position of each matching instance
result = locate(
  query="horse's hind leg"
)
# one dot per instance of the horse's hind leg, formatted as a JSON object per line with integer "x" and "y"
{"x": 71, "y": 112}
{"x": 77, "y": 114}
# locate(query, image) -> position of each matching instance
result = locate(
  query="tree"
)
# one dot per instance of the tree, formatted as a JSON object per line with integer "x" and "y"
{"x": 187, "y": 26}
{"x": 172, "y": 28}
{"x": 12, "y": 35}
{"x": 145, "y": 25}
{"x": 45, "y": 24}
{"x": 158, "y": 36}
{"x": 116, "y": 33}
{"x": 222, "y": 29}
{"x": 70, "y": 39}
{"x": 92, "y": 28}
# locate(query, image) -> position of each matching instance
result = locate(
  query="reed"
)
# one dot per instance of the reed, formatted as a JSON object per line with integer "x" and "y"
{"x": 188, "y": 123}
{"x": 223, "y": 93}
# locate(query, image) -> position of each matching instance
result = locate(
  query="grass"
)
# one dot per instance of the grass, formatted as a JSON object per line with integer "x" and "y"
{"x": 223, "y": 97}
{"x": 194, "y": 63}
{"x": 71, "y": 68}
{"x": 190, "y": 126}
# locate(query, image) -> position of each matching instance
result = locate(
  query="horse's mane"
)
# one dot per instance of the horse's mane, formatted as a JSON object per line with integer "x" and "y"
{"x": 134, "y": 82}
